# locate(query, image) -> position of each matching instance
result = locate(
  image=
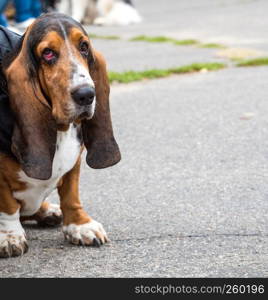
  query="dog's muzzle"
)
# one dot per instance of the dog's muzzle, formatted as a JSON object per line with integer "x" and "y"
{"x": 84, "y": 95}
{"x": 84, "y": 99}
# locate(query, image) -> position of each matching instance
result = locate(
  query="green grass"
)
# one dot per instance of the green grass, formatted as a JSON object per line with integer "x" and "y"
{"x": 163, "y": 39}
{"x": 196, "y": 67}
{"x": 130, "y": 76}
{"x": 156, "y": 39}
{"x": 212, "y": 45}
{"x": 160, "y": 39}
{"x": 261, "y": 61}
{"x": 104, "y": 37}
{"x": 185, "y": 42}
{"x": 236, "y": 60}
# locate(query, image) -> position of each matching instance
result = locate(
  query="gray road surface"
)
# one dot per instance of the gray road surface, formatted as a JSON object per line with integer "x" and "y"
{"x": 240, "y": 23}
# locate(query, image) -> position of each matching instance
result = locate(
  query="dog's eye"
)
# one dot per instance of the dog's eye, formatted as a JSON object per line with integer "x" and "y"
{"x": 84, "y": 48}
{"x": 49, "y": 55}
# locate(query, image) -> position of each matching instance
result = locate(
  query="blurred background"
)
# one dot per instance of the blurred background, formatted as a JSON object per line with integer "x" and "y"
{"x": 237, "y": 22}
{"x": 226, "y": 30}
{"x": 230, "y": 29}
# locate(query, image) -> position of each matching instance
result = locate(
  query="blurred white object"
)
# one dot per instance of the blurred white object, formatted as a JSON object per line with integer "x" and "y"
{"x": 15, "y": 29}
{"x": 74, "y": 8}
{"x": 22, "y": 26}
{"x": 116, "y": 13}
{"x": 102, "y": 12}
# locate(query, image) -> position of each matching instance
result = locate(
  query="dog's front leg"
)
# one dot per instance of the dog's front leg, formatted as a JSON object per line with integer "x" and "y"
{"x": 12, "y": 236}
{"x": 78, "y": 227}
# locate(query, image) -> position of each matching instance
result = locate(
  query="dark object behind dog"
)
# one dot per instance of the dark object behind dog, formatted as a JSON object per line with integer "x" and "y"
{"x": 49, "y": 5}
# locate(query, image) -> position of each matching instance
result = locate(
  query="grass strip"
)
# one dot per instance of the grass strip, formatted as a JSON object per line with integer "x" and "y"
{"x": 261, "y": 61}
{"x": 104, "y": 37}
{"x": 212, "y": 45}
{"x": 160, "y": 39}
{"x": 130, "y": 76}
{"x": 163, "y": 39}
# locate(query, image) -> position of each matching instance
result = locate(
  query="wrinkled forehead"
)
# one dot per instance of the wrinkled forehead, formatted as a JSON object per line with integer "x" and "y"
{"x": 55, "y": 28}
{"x": 56, "y": 41}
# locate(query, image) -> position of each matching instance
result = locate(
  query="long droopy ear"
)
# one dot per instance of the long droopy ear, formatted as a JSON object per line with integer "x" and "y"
{"x": 34, "y": 134}
{"x": 102, "y": 149}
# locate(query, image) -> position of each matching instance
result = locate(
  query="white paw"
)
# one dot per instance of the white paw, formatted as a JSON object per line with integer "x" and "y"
{"x": 12, "y": 236}
{"x": 53, "y": 209}
{"x": 12, "y": 244}
{"x": 88, "y": 234}
{"x": 50, "y": 215}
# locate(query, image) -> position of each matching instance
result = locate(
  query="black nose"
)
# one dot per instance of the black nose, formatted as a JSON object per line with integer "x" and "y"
{"x": 83, "y": 95}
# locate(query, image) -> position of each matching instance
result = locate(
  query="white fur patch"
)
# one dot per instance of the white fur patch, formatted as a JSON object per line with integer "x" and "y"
{"x": 66, "y": 155}
{"x": 80, "y": 76}
{"x": 12, "y": 235}
{"x": 85, "y": 234}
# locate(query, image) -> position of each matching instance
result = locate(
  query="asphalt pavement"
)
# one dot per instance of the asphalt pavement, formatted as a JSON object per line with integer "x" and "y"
{"x": 189, "y": 198}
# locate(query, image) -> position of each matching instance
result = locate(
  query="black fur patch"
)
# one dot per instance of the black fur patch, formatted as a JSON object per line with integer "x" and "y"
{"x": 9, "y": 41}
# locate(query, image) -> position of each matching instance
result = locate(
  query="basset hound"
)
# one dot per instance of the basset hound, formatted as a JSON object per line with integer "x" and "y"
{"x": 54, "y": 103}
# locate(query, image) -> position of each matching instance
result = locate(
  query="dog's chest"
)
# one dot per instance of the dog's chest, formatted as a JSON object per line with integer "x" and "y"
{"x": 67, "y": 152}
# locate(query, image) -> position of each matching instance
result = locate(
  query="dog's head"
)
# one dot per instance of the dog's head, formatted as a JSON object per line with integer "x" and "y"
{"x": 56, "y": 78}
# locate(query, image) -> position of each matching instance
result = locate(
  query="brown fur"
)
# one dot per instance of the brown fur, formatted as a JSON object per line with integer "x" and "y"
{"x": 71, "y": 207}
{"x": 59, "y": 73}
{"x": 98, "y": 132}
{"x": 34, "y": 135}
{"x": 9, "y": 183}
